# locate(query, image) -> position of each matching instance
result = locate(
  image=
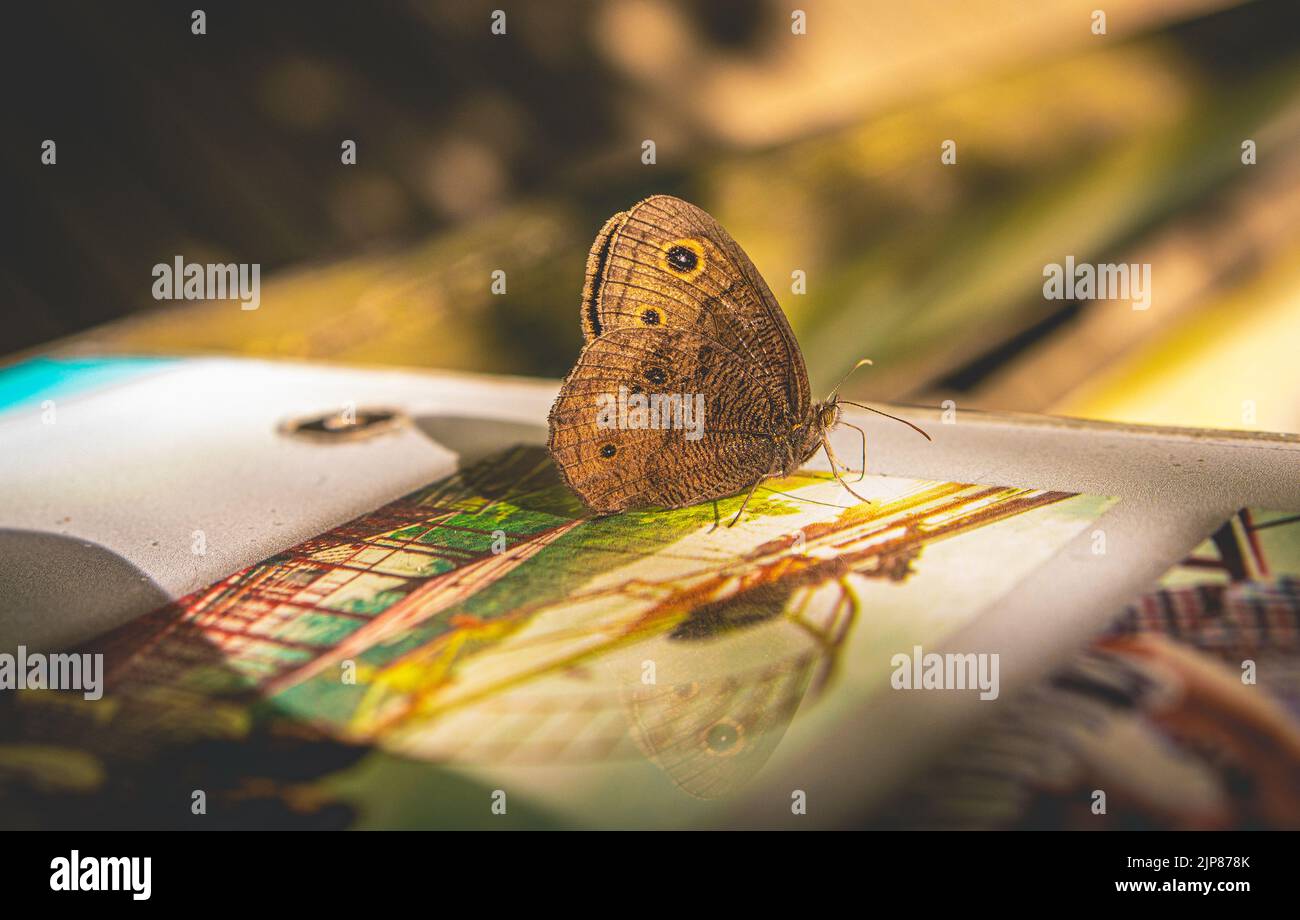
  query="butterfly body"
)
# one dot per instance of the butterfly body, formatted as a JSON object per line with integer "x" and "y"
{"x": 690, "y": 385}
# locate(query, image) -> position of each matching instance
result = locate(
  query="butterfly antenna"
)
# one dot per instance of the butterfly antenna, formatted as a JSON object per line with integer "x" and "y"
{"x": 845, "y": 378}
{"x": 915, "y": 428}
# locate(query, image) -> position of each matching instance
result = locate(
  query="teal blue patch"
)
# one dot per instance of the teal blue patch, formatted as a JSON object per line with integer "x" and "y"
{"x": 32, "y": 382}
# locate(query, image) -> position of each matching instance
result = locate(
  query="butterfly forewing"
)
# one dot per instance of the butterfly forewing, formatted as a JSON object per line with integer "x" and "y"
{"x": 713, "y": 288}
{"x": 597, "y": 260}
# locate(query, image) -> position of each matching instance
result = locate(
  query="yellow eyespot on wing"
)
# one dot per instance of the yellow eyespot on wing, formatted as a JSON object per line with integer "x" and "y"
{"x": 685, "y": 258}
{"x": 652, "y": 316}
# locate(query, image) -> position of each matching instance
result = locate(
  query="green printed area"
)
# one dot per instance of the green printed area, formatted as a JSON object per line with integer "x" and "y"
{"x": 558, "y": 570}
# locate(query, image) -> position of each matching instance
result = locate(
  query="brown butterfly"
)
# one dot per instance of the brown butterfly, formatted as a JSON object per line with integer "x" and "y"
{"x": 690, "y": 385}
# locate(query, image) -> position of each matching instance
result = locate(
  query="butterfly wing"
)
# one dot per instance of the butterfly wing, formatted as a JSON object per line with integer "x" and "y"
{"x": 712, "y": 736}
{"x": 724, "y": 445}
{"x": 666, "y": 263}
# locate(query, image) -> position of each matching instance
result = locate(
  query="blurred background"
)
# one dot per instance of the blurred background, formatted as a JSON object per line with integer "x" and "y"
{"x": 820, "y": 152}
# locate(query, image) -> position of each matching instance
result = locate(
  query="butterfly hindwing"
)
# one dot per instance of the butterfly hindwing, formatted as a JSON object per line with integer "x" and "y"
{"x": 712, "y": 428}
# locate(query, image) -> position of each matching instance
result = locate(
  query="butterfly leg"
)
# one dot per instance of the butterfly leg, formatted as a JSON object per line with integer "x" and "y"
{"x": 834, "y": 457}
{"x": 745, "y": 503}
{"x": 716, "y": 518}
{"x": 836, "y": 461}
{"x": 862, "y": 471}
{"x": 835, "y": 471}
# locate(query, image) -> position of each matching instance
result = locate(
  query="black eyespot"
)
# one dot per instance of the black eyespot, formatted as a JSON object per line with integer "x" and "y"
{"x": 686, "y": 691}
{"x": 656, "y": 376}
{"x": 650, "y": 317}
{"x": 608, "y": 451}
{"x": 682, "y": 259}
{"x": 722, "y": 737}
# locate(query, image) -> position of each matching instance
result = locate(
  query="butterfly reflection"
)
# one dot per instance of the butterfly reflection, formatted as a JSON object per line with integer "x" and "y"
{"x": 713, "y": 732}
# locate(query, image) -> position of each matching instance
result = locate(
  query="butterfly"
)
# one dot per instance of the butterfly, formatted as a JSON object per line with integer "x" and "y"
{"x": 690, "y": 385}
